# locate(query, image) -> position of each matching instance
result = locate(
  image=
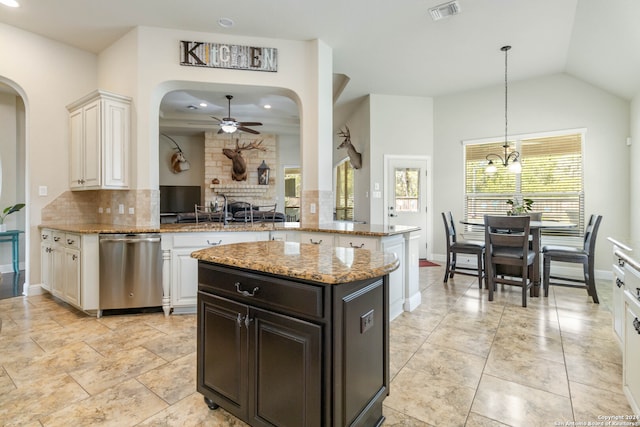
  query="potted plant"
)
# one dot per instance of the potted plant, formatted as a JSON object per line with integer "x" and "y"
{"x": 7, "y": 211}
{"x": 519, "y": 208}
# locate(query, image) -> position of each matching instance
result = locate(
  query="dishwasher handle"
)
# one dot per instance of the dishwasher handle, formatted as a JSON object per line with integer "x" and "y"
{"x": 131, "y": 239}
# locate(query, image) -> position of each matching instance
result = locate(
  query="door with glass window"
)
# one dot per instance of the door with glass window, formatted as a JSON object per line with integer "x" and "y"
{"x": 406, "y": 195}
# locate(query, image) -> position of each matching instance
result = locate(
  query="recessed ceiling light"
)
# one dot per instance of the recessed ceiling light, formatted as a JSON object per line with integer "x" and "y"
{"x": 225, "y": 22}
{"x": 267, "y": 106}
{"x": 203, "y": 104}
{"x": 10, "y": 3}
{"x": 444, "y": 10}
{"x": 192, "y": 107}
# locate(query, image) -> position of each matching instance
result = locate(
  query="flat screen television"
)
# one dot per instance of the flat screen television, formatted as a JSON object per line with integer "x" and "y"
{"x": 179, "y": 198}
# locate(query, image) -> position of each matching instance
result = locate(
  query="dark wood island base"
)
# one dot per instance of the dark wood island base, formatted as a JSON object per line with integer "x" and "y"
{"x": 289, "y": 352}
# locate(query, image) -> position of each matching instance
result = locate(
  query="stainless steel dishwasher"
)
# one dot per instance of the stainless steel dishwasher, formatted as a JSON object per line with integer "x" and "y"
{"x": 130, "y": 271}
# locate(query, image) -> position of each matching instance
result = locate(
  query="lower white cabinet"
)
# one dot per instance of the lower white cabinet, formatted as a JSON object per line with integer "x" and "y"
{"x": 69, "y": 266}
{"x": 618, "y": 287}
{"x": 180, "y": 279}
{"x": 631, "y": 348}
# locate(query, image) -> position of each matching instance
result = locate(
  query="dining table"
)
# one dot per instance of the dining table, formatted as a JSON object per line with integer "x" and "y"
{"x": 535, "y": 228}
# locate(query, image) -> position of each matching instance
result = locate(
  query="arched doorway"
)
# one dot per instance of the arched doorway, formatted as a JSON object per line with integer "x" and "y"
{"x": 13, "y": 261}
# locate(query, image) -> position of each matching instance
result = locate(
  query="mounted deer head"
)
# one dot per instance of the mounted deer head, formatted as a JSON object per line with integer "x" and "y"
{"x": 239, "y": 170}
{"x": 354, "y": 157}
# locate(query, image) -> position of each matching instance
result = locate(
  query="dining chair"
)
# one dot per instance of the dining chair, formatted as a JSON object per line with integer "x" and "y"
{"x": 509, "y": 260}
{"x": 456, "y": 246}
{"x": 584, "y": 256}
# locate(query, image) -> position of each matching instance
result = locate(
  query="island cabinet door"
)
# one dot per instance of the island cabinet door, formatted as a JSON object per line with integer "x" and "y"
{"x": 222, "y": 353}
{"x": 285, "y": 356}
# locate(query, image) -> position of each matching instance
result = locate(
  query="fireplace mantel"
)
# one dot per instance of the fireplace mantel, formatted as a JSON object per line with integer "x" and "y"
{"x": 239, "y": 190}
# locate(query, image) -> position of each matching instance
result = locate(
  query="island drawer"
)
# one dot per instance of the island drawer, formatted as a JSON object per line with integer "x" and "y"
{"x": 285, "y": 296}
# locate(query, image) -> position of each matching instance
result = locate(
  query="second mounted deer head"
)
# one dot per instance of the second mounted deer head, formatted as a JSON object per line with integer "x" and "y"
{"x": 354, "y": 157}
{"x": 239, "y": 169}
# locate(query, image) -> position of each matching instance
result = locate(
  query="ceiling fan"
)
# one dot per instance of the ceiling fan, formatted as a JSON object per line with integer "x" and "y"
{"x": 230, "y": 125}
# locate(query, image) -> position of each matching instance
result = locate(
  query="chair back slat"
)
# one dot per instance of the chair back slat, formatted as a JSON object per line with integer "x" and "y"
{"x": 590, "y": 233}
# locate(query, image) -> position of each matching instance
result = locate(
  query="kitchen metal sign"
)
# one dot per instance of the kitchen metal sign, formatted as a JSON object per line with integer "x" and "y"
{"x": 220, "y": 55}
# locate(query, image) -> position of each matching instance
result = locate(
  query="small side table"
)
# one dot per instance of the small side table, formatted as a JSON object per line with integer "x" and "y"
{"x": 13, "y": 236}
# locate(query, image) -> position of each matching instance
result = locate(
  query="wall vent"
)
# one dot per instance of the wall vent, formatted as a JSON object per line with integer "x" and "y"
{"x": 444, "y": 10}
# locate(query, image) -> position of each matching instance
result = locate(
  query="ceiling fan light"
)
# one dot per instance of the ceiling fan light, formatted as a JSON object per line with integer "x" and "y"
{"x": 228, "y": 127}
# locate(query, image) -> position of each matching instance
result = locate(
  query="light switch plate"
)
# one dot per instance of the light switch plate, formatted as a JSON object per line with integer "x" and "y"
{"x": 42, "y": 190}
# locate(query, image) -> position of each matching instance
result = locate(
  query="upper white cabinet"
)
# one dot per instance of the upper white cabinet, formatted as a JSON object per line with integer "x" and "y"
{"x": 100, "y": 141}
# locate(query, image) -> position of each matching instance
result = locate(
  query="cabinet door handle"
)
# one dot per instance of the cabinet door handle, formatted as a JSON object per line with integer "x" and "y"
{"x": 636, "y": 324}
{"x": 356, "y": 246}
{"x": 219, "y": 242}
{"x": 247, "y": 321}
{"x": 246, "y": 293}
{"x": 315, "y": 243}
{"x": 74, "y": 257}
{"x": 70, "y": 241}
{"x": 45, "y": 236}
{"x": 619, "y": 283}
{"x": 55, "y": 239}
{"x": 620, "y": 262}
{"x": 240, "y": 319}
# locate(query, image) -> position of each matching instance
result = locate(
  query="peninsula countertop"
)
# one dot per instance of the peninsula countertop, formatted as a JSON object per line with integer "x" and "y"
{"x": 336, "y": 228}
{"x": 318, "y": 263}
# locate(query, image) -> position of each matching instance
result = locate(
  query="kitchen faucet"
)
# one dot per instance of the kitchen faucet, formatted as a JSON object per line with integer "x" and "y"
{"x": 224, "y": 210}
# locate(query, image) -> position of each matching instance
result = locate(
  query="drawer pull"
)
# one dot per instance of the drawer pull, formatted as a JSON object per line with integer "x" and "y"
{"x": 239, "y": 319}
{"x": 246, "y": 293}
{"x": 219, "y": 242}
{"x": 45, "y": 236}
{"x": 70, "y": 241}
{"x": 636, "y": 324}
{"x": 315, "y": 243}
{"x": 55, "y": 239}
{"x": 619, "y": 283}
{"x": 620, "y": 262}
{"x": 74, "y": 257}
{"x": 356, "y": 246}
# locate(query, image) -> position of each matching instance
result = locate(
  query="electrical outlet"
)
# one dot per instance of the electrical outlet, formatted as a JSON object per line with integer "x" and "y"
{"x": 132, "y": 211}
{"x": 312, "y": 208}
{"x": 120, "y": 208}
{"x": 100, "y": 210}
{"x": 366, "y": 322}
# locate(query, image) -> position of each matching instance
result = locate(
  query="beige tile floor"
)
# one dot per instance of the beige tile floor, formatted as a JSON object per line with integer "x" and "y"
{"x": 457, "y": 360}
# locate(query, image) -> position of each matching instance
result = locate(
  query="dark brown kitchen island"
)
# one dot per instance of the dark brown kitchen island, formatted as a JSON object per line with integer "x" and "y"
{"x": 294, "y": 334}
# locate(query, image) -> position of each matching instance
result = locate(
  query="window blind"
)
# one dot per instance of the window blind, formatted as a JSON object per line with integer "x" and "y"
{"x": 552, "y": 176}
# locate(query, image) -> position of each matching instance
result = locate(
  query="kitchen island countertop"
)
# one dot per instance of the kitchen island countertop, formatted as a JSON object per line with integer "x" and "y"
{"x": 318, "y": 263}
{"x": 336, "y": 228}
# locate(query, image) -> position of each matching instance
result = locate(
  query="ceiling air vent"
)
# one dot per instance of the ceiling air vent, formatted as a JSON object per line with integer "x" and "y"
{"x": 445, "y": 9}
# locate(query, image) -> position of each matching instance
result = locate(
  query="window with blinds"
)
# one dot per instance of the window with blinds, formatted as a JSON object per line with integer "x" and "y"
{"x": 552, "y": 176}
{"x": 344, "y": 191}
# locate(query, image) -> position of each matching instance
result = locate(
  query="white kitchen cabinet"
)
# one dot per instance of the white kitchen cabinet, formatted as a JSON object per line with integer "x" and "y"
{"x": 631, "y": 346}
{"x": 358, "y": 242}
{"x": 100, "y": 127}
{"x": 618, "y": 297}
{"x": 180, "y": 281}
{"x": 396, "y": 245}
{"x": 316, "y": 238}
{"x": 46, "y": 259}
{"x": 70, "y": 267}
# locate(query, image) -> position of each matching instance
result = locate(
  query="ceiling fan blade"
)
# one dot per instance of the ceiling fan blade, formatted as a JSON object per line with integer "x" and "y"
{"x": 249, "y": 124}
{"x": 220, "y": 130}
{"x": 244, "y": 129}
{"x": 219, "y": 121}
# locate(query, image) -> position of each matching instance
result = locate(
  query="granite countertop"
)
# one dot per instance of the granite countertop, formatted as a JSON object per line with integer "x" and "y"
{"x": 337, "y": 228}
{"x": 318, "y": 263}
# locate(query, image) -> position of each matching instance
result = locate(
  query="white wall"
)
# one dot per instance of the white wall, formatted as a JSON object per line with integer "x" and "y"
{"x": 634, "y": 180}
{"x": 400, "y": 125}
{"x": 543, "y": 104}
{"x": 48, "y": 75}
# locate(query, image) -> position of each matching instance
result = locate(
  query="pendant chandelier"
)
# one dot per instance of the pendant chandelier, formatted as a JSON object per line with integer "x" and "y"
{"x": 515, "y": 166}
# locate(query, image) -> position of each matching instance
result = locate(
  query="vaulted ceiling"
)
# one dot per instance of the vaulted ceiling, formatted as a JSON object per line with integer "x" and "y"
{"x": 383, "y": 47}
